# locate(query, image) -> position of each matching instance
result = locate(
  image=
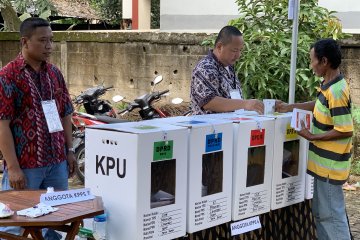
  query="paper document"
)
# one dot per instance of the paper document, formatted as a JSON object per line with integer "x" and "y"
{"x": 37, "y": 211}
{"x": 299, "y": 115}
{"x": 5, "y": 210}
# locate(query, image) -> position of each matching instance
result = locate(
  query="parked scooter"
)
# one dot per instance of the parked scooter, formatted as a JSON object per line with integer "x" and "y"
{"x": 145, "y": 103}
{"x": 93, "y": 104}
{"x": 98, "y": 111}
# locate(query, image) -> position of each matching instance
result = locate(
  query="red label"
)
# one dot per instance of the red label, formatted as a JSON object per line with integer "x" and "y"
{"x": 257, "y": 137}
{"x": 241, "y": 118}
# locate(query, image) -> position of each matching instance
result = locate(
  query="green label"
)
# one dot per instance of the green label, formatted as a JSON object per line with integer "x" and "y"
{"x": 163, "y": 150}
{"x": 145, "y": 127}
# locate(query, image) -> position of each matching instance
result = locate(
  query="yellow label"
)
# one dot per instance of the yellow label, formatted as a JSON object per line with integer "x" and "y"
{"x": 290, "y": 132}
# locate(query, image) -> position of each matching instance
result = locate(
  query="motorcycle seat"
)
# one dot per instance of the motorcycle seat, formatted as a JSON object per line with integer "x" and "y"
{"x": 107, "y": 119}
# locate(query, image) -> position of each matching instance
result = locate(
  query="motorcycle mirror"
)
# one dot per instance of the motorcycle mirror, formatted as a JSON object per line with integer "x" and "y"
{"x": 177, "y": 100}
{"x": 157, "y": 80}
{"x": 117, "y": 98}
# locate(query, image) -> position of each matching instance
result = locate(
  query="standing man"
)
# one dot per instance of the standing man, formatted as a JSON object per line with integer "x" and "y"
{"x": 214, "y": 85}
{"x": 35, "y": 115}
{"x": 330, "y": 141}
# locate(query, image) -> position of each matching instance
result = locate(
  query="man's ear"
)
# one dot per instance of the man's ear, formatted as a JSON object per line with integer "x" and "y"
{"x": 219, "y": 45}
{"x": 324, "y": 61}
{"x": 24, "y": 41}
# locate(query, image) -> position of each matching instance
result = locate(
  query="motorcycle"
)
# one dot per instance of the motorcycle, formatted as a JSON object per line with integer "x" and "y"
{"x": 145, "y": 103}
{"x": 93, "y": 104}
{"x": 98, "y": 111}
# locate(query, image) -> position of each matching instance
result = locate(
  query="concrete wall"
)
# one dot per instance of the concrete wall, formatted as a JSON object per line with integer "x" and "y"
{"x": 126, "y": 59}
{"x": 130, "y": 60}
{"x": 214, "y": 14}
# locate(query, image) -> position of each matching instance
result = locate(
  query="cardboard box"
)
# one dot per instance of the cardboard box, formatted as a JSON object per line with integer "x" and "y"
{"x": 209, "y": 171}
{"x": 289, "y": 168}
{"x": 140, "y": 170}
{"x": 253, "y": 160}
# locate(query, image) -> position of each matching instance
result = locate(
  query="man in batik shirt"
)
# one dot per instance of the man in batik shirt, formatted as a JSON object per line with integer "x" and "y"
{"x": 35, "y": 116}
{"x": 214, "y": 84}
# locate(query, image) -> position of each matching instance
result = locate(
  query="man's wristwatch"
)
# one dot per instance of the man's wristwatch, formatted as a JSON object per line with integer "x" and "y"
{"x": 71, "y": 150}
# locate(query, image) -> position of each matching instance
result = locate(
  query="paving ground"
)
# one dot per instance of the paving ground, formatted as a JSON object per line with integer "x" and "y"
{"x": 353, "y": 209}
{"x": 352, "y": 199}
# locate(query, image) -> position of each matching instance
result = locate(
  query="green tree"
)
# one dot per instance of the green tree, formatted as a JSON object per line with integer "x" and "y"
{"x": 28, "y": 8}
{"x": 11, "y": 21}
{"x": 42, "y": 8}
{"x": 109, "y": 10}
{"x": 264, "y": 67}
{"x": 155, "y": 14}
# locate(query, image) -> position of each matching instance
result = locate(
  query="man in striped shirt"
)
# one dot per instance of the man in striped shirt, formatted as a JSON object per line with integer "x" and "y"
{"x": 330, "y": 141}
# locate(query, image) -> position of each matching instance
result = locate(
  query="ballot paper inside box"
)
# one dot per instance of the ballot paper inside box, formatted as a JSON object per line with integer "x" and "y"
{"x": 209, "y": 171}
{"x": 140, "y": 171}
{"x": 289, "y": 164}
{"x": 252, "y": 164}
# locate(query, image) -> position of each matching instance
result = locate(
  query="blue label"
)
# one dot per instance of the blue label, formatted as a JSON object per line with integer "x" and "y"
{"x": 213, "y": 142}
{"x": 192, "y": 122}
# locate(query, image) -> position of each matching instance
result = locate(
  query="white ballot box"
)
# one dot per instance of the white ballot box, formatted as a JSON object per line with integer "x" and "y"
{"x": 140, "y": 171}
{"x": 289, "y": 168}
{"x": 253, "y": 160}
{"x": 209, "y": 171}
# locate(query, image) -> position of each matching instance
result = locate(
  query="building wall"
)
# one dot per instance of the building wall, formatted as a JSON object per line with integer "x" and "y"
{"x": 194, "y": 15}
{"x": 211, "y": 15}
{"x": 126, "y": 9}
{"x": 348, "y": 11}
{"x": 130, "y": 60}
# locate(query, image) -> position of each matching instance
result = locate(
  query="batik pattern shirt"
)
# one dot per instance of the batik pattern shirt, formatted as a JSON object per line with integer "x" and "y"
{"x": 331, "y": 159}
{"x": 210, "y": 79}
{"x": 21, "y": 92}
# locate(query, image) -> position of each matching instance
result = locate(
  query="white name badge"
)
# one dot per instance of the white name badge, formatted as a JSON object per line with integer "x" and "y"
{"x": 235, "y": 94}
{"x": 52, "y": 116}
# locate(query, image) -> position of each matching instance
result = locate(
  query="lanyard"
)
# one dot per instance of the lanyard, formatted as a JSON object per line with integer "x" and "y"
{"x": 227, "y": 69}
{"x": 37, "y": 90}
{"x": 234, "y": 81}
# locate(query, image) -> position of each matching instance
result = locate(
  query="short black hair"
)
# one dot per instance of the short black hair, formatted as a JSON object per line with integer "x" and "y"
{"x": 29, "y": 25}
{"x": 226, "y": 34}
{"x": 330, "y": 49}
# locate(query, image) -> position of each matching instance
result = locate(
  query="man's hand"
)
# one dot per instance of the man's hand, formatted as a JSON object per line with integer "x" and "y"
{"x": 17, "y": 178}
{"x": 71, "y": 163}
{"x": 305, "y": 133}
{"x": 254, "y": 105}
{"x": 281, "y": 106}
